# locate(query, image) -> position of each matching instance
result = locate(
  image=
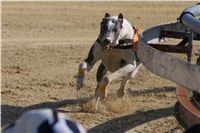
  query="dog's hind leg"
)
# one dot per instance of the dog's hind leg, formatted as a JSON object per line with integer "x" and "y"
{"x": 100, "y": 73}
{"x": 101, "y": 91}
{"x": 122, "y": 90}
{"x": 122, "y": 72}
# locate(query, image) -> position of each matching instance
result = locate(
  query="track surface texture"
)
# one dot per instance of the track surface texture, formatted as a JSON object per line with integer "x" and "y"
{"x": 42, "y": 46}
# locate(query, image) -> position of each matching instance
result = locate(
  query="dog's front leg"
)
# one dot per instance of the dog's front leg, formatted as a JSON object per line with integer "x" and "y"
{"x": 92, "y": 58}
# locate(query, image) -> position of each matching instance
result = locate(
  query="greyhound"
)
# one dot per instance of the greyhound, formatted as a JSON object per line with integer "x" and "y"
{"x": 44, "y": 121}
{"x": 115, "y": 48}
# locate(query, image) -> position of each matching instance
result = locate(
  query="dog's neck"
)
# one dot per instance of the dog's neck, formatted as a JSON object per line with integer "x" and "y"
{"x": 126, "y": 32}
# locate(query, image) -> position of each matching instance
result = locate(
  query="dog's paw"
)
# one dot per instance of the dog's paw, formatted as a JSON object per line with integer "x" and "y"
{"x": 101, "y": 91}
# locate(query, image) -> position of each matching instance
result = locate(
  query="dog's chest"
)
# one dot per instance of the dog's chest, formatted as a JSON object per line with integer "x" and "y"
{"x": 112, "y": 59}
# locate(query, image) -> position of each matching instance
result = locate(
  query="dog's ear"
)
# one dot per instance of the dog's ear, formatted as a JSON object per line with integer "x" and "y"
{"x": 120, "y": 17}
{"x": 107, "y": 15}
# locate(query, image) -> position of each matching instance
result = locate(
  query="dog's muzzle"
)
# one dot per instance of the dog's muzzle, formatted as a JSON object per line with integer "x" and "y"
{"x": 106, "y": 45}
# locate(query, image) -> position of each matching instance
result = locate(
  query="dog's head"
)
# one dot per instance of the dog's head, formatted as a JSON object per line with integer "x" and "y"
{"x": 110, "y": 30}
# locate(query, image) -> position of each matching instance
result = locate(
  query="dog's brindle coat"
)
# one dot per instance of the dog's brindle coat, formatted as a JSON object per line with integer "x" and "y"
{"x": 114, "y": 48}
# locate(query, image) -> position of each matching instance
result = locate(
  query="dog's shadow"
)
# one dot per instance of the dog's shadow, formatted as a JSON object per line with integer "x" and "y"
{"x": 125, "y": 123}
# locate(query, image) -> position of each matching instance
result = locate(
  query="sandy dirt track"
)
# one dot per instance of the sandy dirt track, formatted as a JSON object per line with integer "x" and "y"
{"x": 42, "y": 46}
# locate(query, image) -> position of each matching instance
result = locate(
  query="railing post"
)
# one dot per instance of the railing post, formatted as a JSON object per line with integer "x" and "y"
{"x": 189, "y": 53}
